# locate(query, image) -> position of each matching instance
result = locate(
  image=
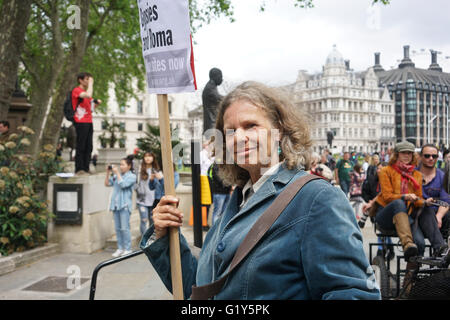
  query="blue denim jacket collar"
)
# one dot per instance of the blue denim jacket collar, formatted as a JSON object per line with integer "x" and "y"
{"x": 268, "y": 189}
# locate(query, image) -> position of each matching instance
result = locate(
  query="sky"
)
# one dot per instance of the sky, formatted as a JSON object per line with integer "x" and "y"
{"x": 272, "y": 46}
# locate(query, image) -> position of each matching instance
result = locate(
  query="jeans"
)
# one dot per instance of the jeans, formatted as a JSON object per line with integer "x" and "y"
{"x": 427, "y": 228}
{"x": 220, "y": 201}
{"x": 345, "y": 186}
{"x": 84, "y": 146}
{"x": 145, "y": 214}
{"x": 122, "y": 226}
{"x": 385, "y": 215}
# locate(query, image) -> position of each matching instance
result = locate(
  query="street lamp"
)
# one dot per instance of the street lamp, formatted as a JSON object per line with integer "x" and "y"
{"x": 430, "y": 121}
{"x": 446, "y": 109}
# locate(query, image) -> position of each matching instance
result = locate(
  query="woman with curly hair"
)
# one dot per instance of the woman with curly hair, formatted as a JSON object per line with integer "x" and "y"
{"x": 314, "y": 248}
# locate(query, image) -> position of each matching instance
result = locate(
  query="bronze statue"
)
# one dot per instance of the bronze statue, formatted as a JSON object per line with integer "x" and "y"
{"x": 211, "y": 99}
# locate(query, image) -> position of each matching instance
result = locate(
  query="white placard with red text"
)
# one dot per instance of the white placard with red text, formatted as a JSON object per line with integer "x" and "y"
{"x": 167, "y": 46}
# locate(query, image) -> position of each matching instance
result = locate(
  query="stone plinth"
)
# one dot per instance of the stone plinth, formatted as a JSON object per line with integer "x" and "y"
{"x": 97, "y": 225}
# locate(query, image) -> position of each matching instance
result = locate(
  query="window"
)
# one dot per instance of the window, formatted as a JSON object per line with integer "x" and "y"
{"x": 122, "y": 109}
{"x": 334, "y": 103}
{"x": 140, "y": 107}
{"x": 170, "y": 107}
{"x": 104, "y": 124}
{"x": 140, "y": 126}
{"x": 122, "y": 125}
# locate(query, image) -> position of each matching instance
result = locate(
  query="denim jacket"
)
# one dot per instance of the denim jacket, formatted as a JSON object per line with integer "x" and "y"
{"x": 314, "y": 249}
{"x": 158, "y": 185}
{"x": 122, "y": 191}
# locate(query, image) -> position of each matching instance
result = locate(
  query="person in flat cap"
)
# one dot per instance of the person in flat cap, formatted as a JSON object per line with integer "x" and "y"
{"x": 404, "y": 146}
{"x": 401, "y": 186}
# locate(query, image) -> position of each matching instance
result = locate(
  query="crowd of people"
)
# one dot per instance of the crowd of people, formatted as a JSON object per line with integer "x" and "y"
{"x": 402, "y": 190}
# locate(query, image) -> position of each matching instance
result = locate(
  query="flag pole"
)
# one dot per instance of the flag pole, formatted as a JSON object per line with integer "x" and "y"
{"x": 169, "y": 189}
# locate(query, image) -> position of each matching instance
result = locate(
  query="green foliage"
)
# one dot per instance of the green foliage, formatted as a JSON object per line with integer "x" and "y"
{"x": 207, "y": 11}
{"x": 23, "y": 212}
{"x": 114, "y": 55}
{"x": 114, "y": 49}
{"x": 385, "y": 2}
{"x": 298, "y": 3}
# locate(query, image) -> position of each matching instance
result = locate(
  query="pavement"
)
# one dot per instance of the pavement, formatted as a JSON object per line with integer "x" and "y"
{"x": 67, "y": 276}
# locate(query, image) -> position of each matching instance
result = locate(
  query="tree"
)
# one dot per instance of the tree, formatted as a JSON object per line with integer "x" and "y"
{"x": 105, "y": 43}
{"x": 52, "y": 57}
{"x": 14, "y": 17}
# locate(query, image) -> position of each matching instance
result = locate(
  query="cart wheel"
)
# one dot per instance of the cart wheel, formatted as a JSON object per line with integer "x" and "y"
{"x": 382, "y": 277}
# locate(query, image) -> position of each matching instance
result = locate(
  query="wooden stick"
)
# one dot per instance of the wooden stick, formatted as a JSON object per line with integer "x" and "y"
{"x": 169, "y": 189}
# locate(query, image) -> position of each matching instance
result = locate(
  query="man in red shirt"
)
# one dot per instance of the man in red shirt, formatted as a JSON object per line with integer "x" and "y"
{"x": 83, "y": 105}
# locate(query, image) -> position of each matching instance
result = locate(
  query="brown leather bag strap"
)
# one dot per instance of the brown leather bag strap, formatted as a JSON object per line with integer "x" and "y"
{"x": 254, "y": 235}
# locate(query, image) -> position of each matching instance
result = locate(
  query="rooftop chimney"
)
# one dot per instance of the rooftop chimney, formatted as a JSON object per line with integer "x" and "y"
{"x": 377, "y": 66}
{"x": 406, "y": 62}
{"x": 434, "y": 65}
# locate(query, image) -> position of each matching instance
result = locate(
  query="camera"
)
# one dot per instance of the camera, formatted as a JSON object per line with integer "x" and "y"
{"x": 362, "y": 221}
{"x": 110, "y": 167}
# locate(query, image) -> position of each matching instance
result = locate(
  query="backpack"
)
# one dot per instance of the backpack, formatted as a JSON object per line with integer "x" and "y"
{"x": 365, "y": 190}
{"x": 69, "y": 113}
{"x": 366, "y": 187}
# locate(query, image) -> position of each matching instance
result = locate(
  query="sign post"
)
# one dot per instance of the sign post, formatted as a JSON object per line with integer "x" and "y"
{"x": 169, "y": 63}
{"x": 169, "y": 189}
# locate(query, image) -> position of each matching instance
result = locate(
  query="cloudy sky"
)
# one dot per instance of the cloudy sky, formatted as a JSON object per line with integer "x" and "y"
{"x": 271, "y": 46}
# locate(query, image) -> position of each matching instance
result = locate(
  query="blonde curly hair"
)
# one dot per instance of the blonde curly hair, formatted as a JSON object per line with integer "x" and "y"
{"x": 291, "y": 122}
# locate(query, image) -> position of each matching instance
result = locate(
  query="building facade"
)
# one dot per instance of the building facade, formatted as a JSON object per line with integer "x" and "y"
{"x": 350, "y": 104}
{"x": 421, "y": 100}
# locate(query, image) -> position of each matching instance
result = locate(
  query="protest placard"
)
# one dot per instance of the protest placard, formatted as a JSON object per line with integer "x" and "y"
{"x": 167, "y": 46}
{"x": 169, "y": 63}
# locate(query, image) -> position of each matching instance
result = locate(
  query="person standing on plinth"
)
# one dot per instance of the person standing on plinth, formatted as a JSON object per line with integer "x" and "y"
{"x": 83, "y": 105}
{"x": 211, "y": 99}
